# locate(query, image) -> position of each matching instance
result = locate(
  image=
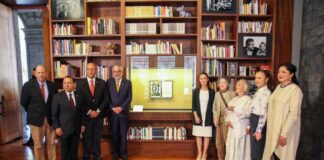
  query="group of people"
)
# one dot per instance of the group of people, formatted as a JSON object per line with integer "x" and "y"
{"x": 265, "y": 126}
{"x": 79, "y": 108}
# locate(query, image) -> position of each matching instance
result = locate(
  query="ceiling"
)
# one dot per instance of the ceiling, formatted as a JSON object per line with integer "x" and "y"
{"x": 11, "y": 3}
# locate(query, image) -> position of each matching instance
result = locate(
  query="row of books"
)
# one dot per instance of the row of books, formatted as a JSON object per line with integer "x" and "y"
{"x": 158, "y": 48}
{"x": 64, "y": 29}
{"x": 149, "y": 11}
{"x": 173, "y": 28}
{"x": 62, "y": 69}
{"x": 213, "y": 32}
{"x": 256, "y": 7}
{"x": 162, "y": 133}
{"x": 216, "y": 51}
{"x": 106, "y": 26}
{"x": 71, "y": 47}
{"x": 141, "y": 28}
{"x": 254, "y": 27}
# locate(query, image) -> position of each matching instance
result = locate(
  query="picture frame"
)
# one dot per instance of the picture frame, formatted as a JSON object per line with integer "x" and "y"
{"x": 219, "y": 6}
{"x": 155, "y": 89}
{"x": 167, "y": 89}
{"x": 67, "y": 9}
{"x": 252, "y": 45}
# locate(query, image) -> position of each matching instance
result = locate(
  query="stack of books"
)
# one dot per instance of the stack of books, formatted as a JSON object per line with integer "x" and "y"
{"x": 71, "y": 47}
{"x": 213, "y": 32}
{"x": 173, "y": 28}
{"x": 215, "y": 51}
{"x": 63, "y": 69}
{"x": 159, "y": 133}
{"x": 64, "y": 29}
{"x": 105, "y": 26}
{"x": 141, "y": 28}
{"x": 158, "y": 48}
{"x": 254, "y": 27}
{"x": 149, "y": 11}
{"x": 256, "y": 7}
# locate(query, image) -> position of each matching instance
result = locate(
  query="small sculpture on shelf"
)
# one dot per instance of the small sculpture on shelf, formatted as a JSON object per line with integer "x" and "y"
{"x": 182, "y": 12}
{"x": 110, "y": 48}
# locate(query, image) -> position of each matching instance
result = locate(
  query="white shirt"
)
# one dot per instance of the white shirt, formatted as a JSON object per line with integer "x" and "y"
{"x": 259, "y": 106}
{"x": 94, "y": 81}
{"x": 73, "y": 97}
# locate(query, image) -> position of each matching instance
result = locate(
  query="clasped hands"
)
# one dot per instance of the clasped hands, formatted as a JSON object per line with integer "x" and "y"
{"x": 117, "y": 109}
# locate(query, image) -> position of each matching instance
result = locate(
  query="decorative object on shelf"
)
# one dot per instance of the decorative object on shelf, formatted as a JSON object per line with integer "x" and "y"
{"x": 182, "y": 13}
{"x": 254, "y": 45}
{"x": 67, "y": 9}
{"x": 219, "y": 6}
{"x": 110, "y": 48}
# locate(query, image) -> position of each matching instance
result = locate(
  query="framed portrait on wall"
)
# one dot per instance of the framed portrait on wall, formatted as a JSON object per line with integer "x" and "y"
{"x": 67, "y": 9}
{"x": 155, "y": 89}
{"x": 255, "y": 45}
{"x": 219, "y": 6}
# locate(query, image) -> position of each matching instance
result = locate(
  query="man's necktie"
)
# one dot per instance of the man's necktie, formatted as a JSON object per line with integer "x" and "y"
{"x": 72, "y": 105}
{"x": 43, "y": 90}
{"x": 92, "y": 87}
{"x": 117, "y": 86}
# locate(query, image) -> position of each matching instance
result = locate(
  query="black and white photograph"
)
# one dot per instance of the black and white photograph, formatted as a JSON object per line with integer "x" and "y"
{"x": 254, "y": 46}
{"x": 221, "y": 6}
{"x": 67, "y": 9}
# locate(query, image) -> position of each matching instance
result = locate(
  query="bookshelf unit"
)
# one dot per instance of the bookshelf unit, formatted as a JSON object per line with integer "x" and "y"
{"x": 166, "y": 29}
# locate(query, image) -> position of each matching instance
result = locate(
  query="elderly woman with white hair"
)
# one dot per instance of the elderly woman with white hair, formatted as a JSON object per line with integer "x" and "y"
{"x": 238, "y": 139}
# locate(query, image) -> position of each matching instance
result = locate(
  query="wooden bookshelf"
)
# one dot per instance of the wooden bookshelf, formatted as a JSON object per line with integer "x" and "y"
{"x": 192, "y": 42}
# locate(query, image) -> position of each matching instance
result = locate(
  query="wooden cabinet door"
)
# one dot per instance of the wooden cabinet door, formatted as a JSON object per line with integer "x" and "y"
{"x": 10, "y": 118}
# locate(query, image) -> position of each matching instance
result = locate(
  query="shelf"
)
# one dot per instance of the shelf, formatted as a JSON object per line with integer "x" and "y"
{"x": 68, "y": 21}
{"x": 254, "y": 16}
{"x": 219, "y": 15}
{"x": 61, "y": 78}
{"x": 131, "y": 55}
{"x": 238, "y": 59}
{"x": 69, "y": 56}
{"x": 218, "y": 41}
{"x": 162, "y": 18}
{"x": 161, "y": 35}
{"x": 159, "y": 1}
{"x": 162, "y": 141}
{"x": 104, "y": 55}
{"x": 255, "y": 33}
{"x": 89, "y": 36}
{"x": 102, "y": 2}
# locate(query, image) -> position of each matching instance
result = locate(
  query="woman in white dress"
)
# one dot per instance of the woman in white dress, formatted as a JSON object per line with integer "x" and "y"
{"x": 202, "y": 104}
{"x": 258, "y": 114}
{"x": 238, "y": 138}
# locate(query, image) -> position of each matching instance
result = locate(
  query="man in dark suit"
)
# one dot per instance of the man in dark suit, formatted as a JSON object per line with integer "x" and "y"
{"x": 36, "y": 98}
{"x": 120, "y": 97}
{"x": 68, "y": 115}
{"x": 95, "y": 98}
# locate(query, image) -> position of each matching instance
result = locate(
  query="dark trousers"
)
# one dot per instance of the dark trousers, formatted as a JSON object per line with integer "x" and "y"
{"x": 69, "y": 146}
{"x": 119, "y": 135}
{"x": 91, "y": 138}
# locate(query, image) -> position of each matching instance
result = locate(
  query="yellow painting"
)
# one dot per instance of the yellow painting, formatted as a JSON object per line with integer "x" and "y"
{"x": 181, "y": 88}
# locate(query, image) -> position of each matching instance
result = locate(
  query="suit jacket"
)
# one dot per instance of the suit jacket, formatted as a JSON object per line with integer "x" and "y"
{"x": 196, "y": 106}
{"x": 122, "y": 98}
{"x": 34, "y": 103}
{"x": 100, "y": 98}
{"x": 64, "y": 116}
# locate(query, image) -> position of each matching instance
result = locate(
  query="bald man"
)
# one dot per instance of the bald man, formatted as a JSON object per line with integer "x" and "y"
{"x": 95, "y": 97}
{"x": 36, "y": 98}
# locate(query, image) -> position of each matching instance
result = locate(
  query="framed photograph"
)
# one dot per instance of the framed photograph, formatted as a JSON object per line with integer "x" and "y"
{"x": 155, "y": 89}
{"x": 219, "y": 6}
{"x": 67, "y": 9}
{"x": 254, "y": 45}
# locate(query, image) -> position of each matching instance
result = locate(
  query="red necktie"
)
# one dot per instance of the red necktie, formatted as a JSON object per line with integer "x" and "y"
{"x": 43, "y": 90}
{"x": 71, "y": 101}
{"x": 92, "y": 87}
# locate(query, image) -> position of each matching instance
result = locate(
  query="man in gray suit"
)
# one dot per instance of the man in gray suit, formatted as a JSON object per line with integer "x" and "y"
{"x": 120, "y": 97}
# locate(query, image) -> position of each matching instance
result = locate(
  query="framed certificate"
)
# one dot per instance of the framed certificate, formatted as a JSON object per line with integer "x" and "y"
{"x": 167, "y": 89}
{"x": 155, "y": 89}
